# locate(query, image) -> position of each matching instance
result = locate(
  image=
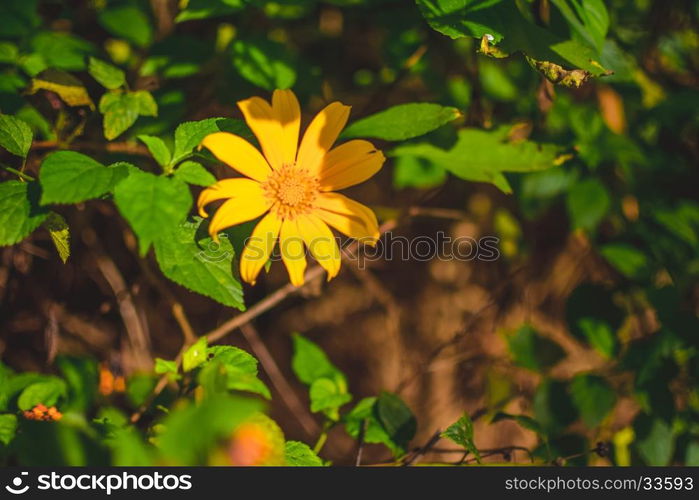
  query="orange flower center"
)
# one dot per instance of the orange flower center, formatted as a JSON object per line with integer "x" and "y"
{"x": 292, "y": 190}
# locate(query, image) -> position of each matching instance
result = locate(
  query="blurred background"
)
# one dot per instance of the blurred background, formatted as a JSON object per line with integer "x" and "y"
{"x": 587, "y": 321}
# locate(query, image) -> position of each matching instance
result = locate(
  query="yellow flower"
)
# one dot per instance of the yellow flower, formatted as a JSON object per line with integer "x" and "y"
{"x": 292, "y": 185}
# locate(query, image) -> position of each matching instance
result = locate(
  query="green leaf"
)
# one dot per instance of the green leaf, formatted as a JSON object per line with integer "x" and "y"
{"x": 310, "y": 362}
{"x": 60, "y": 234}
{"x": 235, "y": 369}
{"x": 8, "y": 53}
{"x": 20, "y": 212}
{"x": 192, "y": 259}
{"x": 482, "y": 156}
{"x": 599, "y": 334}
{"x": 82, "y": 376}
{"x": 189, "y": 135}
{"x": 191, "y": 432}
{"x": 593, "y": 397}
{"x": 417, "y": 172}
{"x": 461, "y": 433}
{"x": 158, "y": 148}
{"x": 127, "y": 22}
{"x": 588, "y": 202}
{"x": 146, "y": 103}
{"x": 553, "y": 408}
{"x": 69, "y": 89}
{"x": 8, "y": 427}
{"x": 46, "y": 392}
{"x": 628, "y": 260}
{"x": 195, "y": 355}
{"x": 500, "y": 22}
{"x": 206, "y": 9}
{"x": 588, "y": 18}
{"x": 364, "y": 414}
{"x": 328, "y": 396}
{"x": 71, "y": 177}
{"x": 120, "y": 112}
{"x": 402, "y": 122}
{"x": 655, "y": 440}
{"x": 532, "y": 351}
{"x": 396, "y": 418}
{"x": 153, "y": 205}
{"x": 523, "y": 420}
{"x": 165, "y": 366}
{"x": 15, "y": 135}
{"x": 61, "y": 50}
{"x": 264, "y": 63}
{"x": 192, "y": 172}
{"x": 107, "y": 75}
{"x": 298, "y": 454}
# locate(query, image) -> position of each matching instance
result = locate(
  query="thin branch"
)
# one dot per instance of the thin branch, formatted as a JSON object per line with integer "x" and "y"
{"x": 285, "y": 390}
{"x": 360, "y": 443}
{"x": 424, "y": 449}
{"x": 110, "y": 147}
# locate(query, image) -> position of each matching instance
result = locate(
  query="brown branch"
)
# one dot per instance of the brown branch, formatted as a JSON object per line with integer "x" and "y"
{"x": 278, "y": 380}
{"x": 110, "y": 147}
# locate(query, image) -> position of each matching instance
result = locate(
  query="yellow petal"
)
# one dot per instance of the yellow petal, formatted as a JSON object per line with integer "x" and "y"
{"x": 320, "y": 135}
{"x": 349, "y": 164}
{"x": 320, "y": 242}
{"x": 236, "y": 211}
{"x": 287, "y": 110}
{"x": 238, "y": 154}
{"x": 293, "y": 251}
{"x": 264, "y": 123}
{"x": 259, "y": 246}
{"x": 352, "y": 226}
{"x": 340, "y": 205}
{"x": 228, "y": 188}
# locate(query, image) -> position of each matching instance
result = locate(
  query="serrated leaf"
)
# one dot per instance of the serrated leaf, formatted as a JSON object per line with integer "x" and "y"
{"x": 15, "y": 135}
{"x": 402, "y": 122}
{"x": 310, "y": 362}
{"x": 328, "y": 396}
{"x": 60, "y": 234}
{"x": 154, "y": 206}
{"x": 237, "y": 369}
{"x": 146, "y": 103}
{"x": 364, "y": 414}
{"x": 593, "y": 397}
{"x": 72, "y": 177}
{"x": 461, "y": 433}
{"x": 192, "y": 172}
{"x": 298, "y": 454}
{"x": 396, "y": 418}
{"x": 483, "y": 156}
{"x": 69, "y": 89}
{"x": 8, "y": 427}
{"x": 264, "y": 63}
{"x": 158, "y": 148}
{"x": 189, "y": 135}
{"x": 192, "y": 259}
{"x": 195, "y": 355}
{"x": 46, "y": 392}
{"x": 20, "y": 212}
{"x": 120, "y": 112}
{"x": 61, "y": 50}
{"x": 107, "y": 75}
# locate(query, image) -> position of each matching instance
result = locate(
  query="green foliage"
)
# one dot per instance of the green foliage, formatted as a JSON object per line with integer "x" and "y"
{"x": 158, "y": 148}
{"x": 192, "y": 172}
{"x": 264, "y": 63}
{"x": 110, "y": 77}
{"x": 532, "y": 351}
{"x": 402, "y": 122}
{"x": 70, "y": 177}
{"x": 298, "y": 454}
{"x": 190, "y": 257}
{"x": 60, "y": 234}
{"x": 461, "y": 432}
{"x": 588, "y": 202}
{"x": 195, "y": 355}
{"x": 483, "y": 156}
{"x": 152, "y": 205}
{"x": 15, "y": 135}
{"x": 593, "y": 397}
{"x": 20, "y": 212}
